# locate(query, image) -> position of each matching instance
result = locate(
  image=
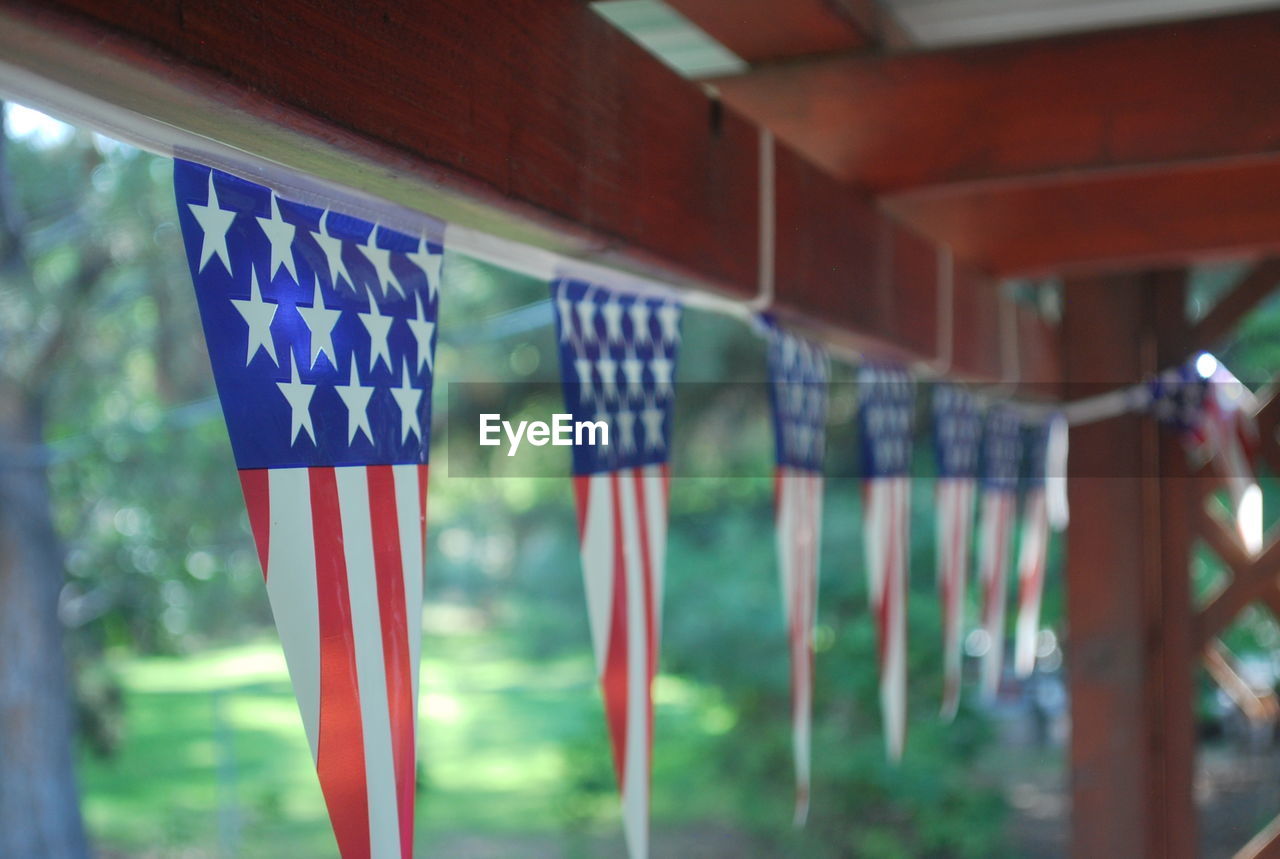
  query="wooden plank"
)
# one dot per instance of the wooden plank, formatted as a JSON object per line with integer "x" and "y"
{"x": 764, "y": 30}
{"x": 1127, "y": 601}
{"x": 1251, "y": 579}
{"x": 1258, "y": 283}
{"x": 534, "y": 121}
{"x": 1106, "y": 222}
{"x": 1264, "y": 845}
{"x": 1104, "y": 594}
{"x": 1171, "y": 490}
{"x": 1114, "y": 100}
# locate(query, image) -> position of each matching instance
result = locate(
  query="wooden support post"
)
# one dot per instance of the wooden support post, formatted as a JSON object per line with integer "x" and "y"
{"x": 1128, "y": 602}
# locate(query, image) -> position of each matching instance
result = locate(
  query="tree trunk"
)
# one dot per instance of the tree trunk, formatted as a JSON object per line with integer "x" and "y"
{"x": 39, "y": 807}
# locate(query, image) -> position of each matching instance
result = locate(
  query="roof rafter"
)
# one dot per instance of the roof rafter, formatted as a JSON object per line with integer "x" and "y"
{"x": 535, "y": 121}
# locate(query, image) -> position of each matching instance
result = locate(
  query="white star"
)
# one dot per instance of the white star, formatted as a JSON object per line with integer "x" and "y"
{"x": 422, "y": 330}
{"x": 320, "y": 321}
{"x": 356, "y": 398}
{"x": 608, "y": 370}
{"x": 332, "y": 249}
{"x": 669, "y": 319}
{"x": 565, "y": 308}
{"x": 281, "y": 234}
{"x": 661, "y": 367}
{"x": 583, "y": 368}
{"x": 612, "y": 312}
{"x": 381, "y": 259}
{"x": 640, "y": 323}
{"x": 633, "y": 368}
{"x": 299, "y": 396}
{"x": 652, "y": 418}
{"x": 429, "y": 262}
{"x": 408, "y": 398}
{"x": 378, "y": 326}
{"x": 586, "y": 319}
{"x": 214, "y": 222}
{"x": 258, "y": 314}
{"x": 626, "y": 429}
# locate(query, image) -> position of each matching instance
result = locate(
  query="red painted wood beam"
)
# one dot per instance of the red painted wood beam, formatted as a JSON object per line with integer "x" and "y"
{"x": 1128, "y": 601}
{"x": 765, "y": 30}
{"x": 1117, "y": 100}
{"x": 533, "y": 120}
{"x": 1106, "y": 221}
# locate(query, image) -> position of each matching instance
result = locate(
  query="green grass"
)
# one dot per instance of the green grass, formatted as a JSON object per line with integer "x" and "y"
{"x": 215, "y": 762}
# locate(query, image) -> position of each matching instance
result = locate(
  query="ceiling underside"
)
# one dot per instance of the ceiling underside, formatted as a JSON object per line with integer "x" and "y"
{"x": 1030, "y": 136}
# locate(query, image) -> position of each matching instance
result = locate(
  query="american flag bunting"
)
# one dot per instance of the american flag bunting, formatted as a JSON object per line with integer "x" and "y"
{"x": 798, "y": 373}
{"x": 886, "y": 411}
{"x": 321, "y": 333}
{"x": 999, "y": 499}
{"x": 957, "y": 433}
{"x": 1215, "y": 413}
{"x": 1033, "y": 549}
{"x": 617, "y": 363}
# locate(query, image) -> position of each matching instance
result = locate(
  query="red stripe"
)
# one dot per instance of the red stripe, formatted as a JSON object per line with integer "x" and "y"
{"x": 340, "y": 757}
{"x": 389, "y": 569}
{"x": 614, "y": 677}
{"x": 651, "y": 666}
{"x": 582, "y": 495}
{"x": 779, "y": 475}
{"x": 887, "y": 580}
{"x": 255, "y": 484}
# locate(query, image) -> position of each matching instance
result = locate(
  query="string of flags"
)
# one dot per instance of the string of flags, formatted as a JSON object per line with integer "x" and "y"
{"x": 321, "y": 328}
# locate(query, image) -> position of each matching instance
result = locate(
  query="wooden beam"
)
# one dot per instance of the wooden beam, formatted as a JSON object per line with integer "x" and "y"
{"x": 1106, "y": 222}
{"x": 1116, "y": 100}
{"x": 1264, "y": 845}
{"x": 1258, "y": 283}
{"x": 535, "y": 121}
{"x": 1127, "y": 591}
{"x": 1252, "y": 578}
{"x": 768, "y": 30}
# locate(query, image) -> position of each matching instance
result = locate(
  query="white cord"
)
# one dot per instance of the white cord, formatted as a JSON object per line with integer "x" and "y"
{"x": 768, "y": 225}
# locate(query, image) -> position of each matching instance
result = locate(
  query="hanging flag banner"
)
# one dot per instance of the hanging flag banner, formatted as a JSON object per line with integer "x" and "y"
{"x": 617, "y": 364}
{"x": 798, "y": 373}
{"x": 886, "y": 411}
{"x": 1033, "y": 548}
{"x": 321, "y": 331}
{"x": 957, "y": 433}
{"x": 999, "y": 498}
{"x": 1215, "y": 412}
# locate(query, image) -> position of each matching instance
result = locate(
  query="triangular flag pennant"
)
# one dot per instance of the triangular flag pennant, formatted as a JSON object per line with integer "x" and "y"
{"x": 957, "y": 433}
{"x": 798, "y": 372}
{"x": 1215, "y": 412}
{"x": 886, "y": 417}
{"x": 999, "y": 499}
{"x": 320, "y": 329}
{"x": 1033, "y": 548}
{"x": 617, "y": 363}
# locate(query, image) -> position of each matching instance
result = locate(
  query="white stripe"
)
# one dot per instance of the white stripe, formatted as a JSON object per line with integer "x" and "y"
{"x": 655, "y": 504}
{"x": 597, "y": 564}
{"x": 371, "y": 672}
{"x": 994, "y": 560}
{"x": 408, "y": 516}
{"x": 894, "y": 684}
{"x": 291, "y": 588}
{"x": 1031, "y": 561}
{"x": 635, "y": 787}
